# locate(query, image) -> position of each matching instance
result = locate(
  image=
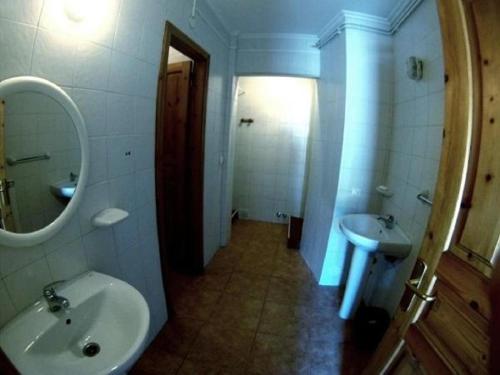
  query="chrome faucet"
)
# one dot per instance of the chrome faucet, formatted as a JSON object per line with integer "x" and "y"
{"x": 54, "y": 301}
{"x": 388, "y": 220}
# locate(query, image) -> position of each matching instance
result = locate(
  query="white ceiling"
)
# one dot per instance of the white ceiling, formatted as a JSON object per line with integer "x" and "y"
{"x": 290, "y": 16}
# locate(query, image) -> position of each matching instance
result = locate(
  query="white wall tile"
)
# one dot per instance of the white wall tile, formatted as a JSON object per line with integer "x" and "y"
{"x": 16, "y": 43}
{"x": 434, "y": 142}
{"x": 123, "y": 71}
{"x": 436, "y": 108}
{"x": 126, "y": 233}
{"x": 12, "y": 258}
{"x": 121, "y": 155}
{"x": 416, "y": 140}
{"x": 146, "y": 79}
{"x": 67, "y": 234}
{"x": 8, "y": 311}
{"x": 25, "y": 285}
{"x": 24, "y": 12}
{"x": 98, "y": 169}
{"x": 100, "y": 252}
{"x": 120, "y": 114}
{"x": 144, "y": 112}
{"x": 144, "y": 186}
{"x": 122, "y": 193}
{"x": 92, "y": 105}
{"x": 129, "y": 28}
{"x": 150, "y": 49}
{"x": 130, "y": 260}
{"x": 54, "y": 57}
{"x": 68, "y": 261}
{"x": 144, "y": 151}
{"x": 147, "y": 221}
{"x": 95, "y": 199}
{"x": 92, "y": 64}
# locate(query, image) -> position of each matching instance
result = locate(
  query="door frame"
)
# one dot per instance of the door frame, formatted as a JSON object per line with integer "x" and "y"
{"x": 459, "y": 156}
{"x": 174, "y": 37}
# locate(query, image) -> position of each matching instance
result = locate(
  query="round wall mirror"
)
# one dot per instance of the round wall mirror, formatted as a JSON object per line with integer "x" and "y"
{"x": 43, "y": 160}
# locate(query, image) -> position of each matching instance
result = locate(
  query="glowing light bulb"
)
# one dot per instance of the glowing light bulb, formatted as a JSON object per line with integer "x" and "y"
{"x": 78, "y": 10}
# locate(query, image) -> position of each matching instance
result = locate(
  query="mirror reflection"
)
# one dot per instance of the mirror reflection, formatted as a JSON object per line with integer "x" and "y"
{"x": 40, "y": 155}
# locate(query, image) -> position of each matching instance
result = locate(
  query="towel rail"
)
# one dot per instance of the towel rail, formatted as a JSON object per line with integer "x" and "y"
{"x": 424, "y": 197}
{"x": 28, "y": 159}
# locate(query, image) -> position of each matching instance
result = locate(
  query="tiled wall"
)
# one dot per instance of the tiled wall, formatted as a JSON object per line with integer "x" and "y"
{"x": 368, "y": 116}
{"x": 278, "y": 54}
{"x": 325, "y": 152}
{"x": 37, "y": 125}
{"x": 270, "y": 154}
{"x": 109, "y": 64}
{"x": 354, "y": 118}
{"x": 391, "y": 134}
{"x": 229, "y": 149}
{"x": 415, "y": 144}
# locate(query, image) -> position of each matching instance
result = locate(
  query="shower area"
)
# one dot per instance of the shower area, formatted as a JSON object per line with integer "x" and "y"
{"x": 272, "y": 118}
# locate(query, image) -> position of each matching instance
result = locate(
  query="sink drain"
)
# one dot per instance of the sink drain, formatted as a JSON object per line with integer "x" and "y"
{"x": 91, "y": 349}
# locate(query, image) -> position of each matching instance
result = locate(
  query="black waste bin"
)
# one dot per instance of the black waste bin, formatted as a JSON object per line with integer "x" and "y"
{"x": 369, "y": 326}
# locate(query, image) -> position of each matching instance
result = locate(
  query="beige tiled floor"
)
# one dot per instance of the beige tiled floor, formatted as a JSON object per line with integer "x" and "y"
{"x": 256, "y": 310}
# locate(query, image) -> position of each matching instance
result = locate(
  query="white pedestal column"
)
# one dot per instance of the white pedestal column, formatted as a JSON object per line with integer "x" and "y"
{"x": 358, "y": 274}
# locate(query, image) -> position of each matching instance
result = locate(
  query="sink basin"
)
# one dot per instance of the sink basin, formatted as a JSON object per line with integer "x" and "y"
{"x": 369, "y": 236}
{"x": 64, "y": 189}
{"x": 103, "y": 311}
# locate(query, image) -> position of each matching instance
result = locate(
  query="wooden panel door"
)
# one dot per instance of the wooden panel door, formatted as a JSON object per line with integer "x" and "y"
{"x": 455, "y": 326}
{"x": 444, "y": 318}
{"x": 174, "y": 166}
{"x": 6, "y": 216}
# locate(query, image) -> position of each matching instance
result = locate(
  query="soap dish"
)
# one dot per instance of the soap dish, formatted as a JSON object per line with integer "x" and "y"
{"x": 109, "y": 217}
{"x": 384, "y": 191}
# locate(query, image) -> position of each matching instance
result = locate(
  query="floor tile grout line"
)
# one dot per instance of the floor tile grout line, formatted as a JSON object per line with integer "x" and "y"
{"x": 268, "y": 277}
{"x": 223, "y": 290}
{"x": 252, "y": 347}
{"x": 205, "y": 322}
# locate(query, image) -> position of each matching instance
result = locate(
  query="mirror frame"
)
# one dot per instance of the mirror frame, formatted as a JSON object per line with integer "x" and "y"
{"x": 18, "y": 85}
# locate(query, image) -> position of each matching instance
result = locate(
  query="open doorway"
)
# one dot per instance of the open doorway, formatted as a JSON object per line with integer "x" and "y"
{"x": 179, "y": 153}
{"x": 271, "y": 141}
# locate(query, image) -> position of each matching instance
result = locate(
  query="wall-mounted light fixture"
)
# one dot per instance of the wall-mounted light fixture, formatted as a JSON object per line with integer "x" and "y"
{"x": 88, "y": 19}
{"x": 414, "y": 68}
{"x": 78, "y": 10}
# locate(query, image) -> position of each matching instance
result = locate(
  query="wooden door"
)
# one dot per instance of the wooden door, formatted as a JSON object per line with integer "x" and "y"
{"x": 442, "y": 326}
{"x": 6, "y": 216}
{"x": 174, "y": 166}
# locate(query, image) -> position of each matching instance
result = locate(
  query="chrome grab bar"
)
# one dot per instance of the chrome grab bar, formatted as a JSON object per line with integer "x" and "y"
{"x": 28, "y": 159}
{"x": 424, "y": 197}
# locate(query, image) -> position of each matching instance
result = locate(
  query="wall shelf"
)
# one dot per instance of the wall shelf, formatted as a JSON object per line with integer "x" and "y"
{"x": 109, "y": 217}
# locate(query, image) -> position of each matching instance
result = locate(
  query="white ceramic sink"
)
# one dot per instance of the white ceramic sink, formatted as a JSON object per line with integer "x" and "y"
{"x": 369, "y": 236}
{"x": 103, "y": 310}
{"x": 64, "y": 189}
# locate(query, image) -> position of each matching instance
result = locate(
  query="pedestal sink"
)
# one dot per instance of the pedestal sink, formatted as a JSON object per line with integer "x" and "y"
{"x": 102, "y": 332}
{"x": 369, "y": 235}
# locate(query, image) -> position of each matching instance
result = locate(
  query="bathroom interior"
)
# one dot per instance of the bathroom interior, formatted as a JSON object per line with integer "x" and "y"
{"x": 294, "y": 218}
